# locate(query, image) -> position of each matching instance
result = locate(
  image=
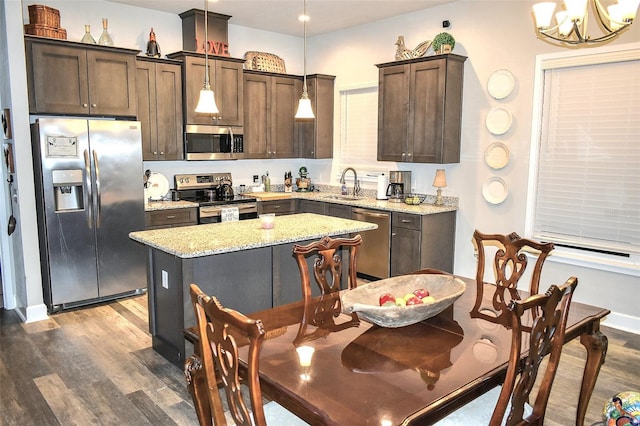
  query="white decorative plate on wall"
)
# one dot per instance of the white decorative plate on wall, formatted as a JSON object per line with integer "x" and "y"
{"x": 495, "y": 190}
{"x": 157, "y": 187}
{"x": 498, "y": 120}
{"x": 500, "y": 84}
{"x": 497, "y": 155}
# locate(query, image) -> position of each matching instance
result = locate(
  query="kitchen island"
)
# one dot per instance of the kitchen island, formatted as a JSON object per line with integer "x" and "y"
{"x": 247, "y": 268}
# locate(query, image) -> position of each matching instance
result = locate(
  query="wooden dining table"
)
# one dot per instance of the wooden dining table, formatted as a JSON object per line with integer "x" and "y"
{"x": 364, "y": 374}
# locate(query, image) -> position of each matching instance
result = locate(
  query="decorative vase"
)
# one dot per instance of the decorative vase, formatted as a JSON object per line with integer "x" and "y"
{"x": 105, "y": 38}
{"x": 445, "y": 48}
{"x": 88, "y": 38}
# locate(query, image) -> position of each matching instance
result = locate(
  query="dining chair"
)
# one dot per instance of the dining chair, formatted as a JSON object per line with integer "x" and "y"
{"x": 327, "y": 266}
{"x": 509, "y": 264}
{"x": 507, "y": 404}
{"x": 221, "y": 332}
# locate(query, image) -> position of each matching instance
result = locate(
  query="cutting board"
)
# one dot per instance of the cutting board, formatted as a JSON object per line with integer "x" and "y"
{"x": 270, "y": 195}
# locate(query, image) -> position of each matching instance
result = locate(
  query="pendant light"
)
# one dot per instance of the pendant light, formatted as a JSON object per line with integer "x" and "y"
{"x": 206, "y": 102}
{"x": 304, "y": 107}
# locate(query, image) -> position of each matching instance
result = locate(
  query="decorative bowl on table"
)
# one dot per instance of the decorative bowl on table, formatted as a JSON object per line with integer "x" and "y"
{"x": 413, "y": 199}
{"x": 364, "y": 299}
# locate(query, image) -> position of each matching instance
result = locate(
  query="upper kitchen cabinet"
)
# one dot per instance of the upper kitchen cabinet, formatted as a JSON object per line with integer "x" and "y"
{"x": 225, "y": 76}
{"x": 159, "y": 99}
{"x": 73, "y": 78}
{"x": 420, "y": 109}
{"x": 317, "y": 134}
{"x": 270, "y": 103}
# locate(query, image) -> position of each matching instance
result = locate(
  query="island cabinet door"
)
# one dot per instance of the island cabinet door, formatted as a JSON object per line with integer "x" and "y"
{"x": 240, "y": 280}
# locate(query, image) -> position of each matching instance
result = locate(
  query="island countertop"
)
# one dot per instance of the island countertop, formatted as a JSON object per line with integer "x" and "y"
{"x": 226, "y": 237}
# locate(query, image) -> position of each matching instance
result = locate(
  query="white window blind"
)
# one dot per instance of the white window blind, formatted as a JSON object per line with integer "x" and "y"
{"x": 358, "y": 125}
{"x": 588, "y": 179}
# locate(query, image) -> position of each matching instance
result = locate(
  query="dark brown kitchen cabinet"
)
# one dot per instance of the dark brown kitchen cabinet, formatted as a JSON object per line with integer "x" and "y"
{"x": 317, "y": 134}
{"x": 325, "y": 208}
{"x": 270, "y": 103}
{"x": 279, "y": 207}
{"x": 420, "y": 109}
{"x": 72, "y": 78}
{"x": 225, "y": 77}
{"x": 170, "y": 218}
{"x": 159, "y": 100}
{"x": 419, "y": 242}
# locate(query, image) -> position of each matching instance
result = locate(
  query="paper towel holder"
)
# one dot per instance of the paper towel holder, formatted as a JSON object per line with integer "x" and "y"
{"x": 383, "y": 183}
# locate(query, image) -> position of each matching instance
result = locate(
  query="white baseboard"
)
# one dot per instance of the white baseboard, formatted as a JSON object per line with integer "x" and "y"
{"x": 623, "y": 322}
{"x": 36, "y": 313}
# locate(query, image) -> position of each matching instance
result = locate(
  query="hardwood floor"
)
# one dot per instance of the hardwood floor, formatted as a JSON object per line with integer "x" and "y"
{"x": 96, "y": 366}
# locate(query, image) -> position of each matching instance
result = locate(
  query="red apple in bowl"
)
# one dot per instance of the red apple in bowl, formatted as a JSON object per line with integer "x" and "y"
{"x": 387, "y": 297}
{"x": 414, "y": 301}
{"x": 421, "y": 293}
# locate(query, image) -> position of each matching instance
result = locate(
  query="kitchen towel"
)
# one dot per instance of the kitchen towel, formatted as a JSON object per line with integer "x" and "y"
{"x": 229, "y": 214}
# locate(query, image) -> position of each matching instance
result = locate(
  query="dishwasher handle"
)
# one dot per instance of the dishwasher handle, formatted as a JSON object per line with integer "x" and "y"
{"x": 368, "y": 213}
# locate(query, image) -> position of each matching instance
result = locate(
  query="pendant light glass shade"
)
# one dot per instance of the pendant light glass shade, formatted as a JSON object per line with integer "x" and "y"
{"x": 304, "y": 106}
{"x": 206, "y": 102}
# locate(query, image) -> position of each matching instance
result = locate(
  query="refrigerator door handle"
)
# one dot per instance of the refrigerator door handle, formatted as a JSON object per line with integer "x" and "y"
{"x": 98, "y": 194}
{"x": 87, "y": 184}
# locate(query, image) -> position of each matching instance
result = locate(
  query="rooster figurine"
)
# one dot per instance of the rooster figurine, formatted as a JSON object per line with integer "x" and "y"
{"x": 403, "y": 53}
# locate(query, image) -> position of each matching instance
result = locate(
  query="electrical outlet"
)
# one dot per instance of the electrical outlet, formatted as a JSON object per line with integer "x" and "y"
{"x": 165, "y": 279}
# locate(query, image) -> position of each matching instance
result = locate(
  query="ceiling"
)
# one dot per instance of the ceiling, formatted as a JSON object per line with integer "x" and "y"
{"x": 281, "y": 16}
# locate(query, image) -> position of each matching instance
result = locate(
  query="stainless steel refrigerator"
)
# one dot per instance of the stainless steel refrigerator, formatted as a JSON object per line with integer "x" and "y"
{"x": 89, "y": 196}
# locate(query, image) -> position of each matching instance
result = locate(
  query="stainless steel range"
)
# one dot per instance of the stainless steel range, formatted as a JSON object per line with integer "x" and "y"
{"x": 214, "y": 193}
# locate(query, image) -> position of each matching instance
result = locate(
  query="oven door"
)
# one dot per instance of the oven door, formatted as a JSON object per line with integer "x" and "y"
{"x": 213, "y": 214}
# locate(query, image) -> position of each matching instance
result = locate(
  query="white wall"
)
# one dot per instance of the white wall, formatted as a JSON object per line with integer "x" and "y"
{"x": 493, "y": 34}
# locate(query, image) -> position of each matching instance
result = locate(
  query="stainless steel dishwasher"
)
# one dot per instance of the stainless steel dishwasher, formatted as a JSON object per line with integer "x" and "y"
{"x": 374, "y": 253}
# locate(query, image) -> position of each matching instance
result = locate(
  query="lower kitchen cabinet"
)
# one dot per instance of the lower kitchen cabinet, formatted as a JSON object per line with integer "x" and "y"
{"x": 419, "y": 242}
{"x": 321, "y": 207}
{"x": 159, "y": 100}
{"x": 311, "y": 206}
{"x": 170, "y": 218}
{"x": 279, "y": 207}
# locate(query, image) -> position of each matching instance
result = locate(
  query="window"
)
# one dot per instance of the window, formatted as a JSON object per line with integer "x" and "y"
{"x": 359, "y": 125}
{"x": 586, "y": 142}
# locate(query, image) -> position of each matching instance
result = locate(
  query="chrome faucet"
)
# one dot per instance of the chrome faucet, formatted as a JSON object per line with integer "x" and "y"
{"x": 356, "y": 182}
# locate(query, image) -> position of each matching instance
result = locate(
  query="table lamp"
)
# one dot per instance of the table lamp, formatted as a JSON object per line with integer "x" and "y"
{"x": 440, "y": 181}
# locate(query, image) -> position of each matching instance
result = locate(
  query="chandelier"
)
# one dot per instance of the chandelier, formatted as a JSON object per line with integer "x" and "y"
{"x": 571, "y": 24}
{"x": 206, "y": 101}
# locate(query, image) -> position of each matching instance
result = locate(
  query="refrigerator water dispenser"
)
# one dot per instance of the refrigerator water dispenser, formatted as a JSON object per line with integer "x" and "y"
{"x": 67, "y": 186}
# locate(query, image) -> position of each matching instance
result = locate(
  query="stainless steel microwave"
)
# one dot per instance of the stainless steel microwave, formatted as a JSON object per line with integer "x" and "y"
{"x": 213, "y": 142}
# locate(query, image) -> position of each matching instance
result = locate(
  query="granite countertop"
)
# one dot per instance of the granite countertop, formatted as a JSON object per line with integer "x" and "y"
{"x": 372, "y": 203}
{"x": 218, "y": 238}
{"x": 167, "y": 205}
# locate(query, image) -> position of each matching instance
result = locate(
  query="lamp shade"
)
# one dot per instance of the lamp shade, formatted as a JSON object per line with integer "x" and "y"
{"x": 543, "y": 13}
{"x": 576, "y": 9}
{"x": 304, "y": 108}
{"x": 615, "y": 17}
{"x": 440, "y": 181}
{"x": 564, "y": 23}
{"x": 206, "y": 102}
{"x": 629, "y": 9}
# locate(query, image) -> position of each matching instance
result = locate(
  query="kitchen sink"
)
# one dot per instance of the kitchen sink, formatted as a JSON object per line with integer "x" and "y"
{"x": 342, "y": 197}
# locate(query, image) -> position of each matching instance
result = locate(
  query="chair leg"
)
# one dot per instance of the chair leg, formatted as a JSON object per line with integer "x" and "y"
{"x": 197, "y": 387}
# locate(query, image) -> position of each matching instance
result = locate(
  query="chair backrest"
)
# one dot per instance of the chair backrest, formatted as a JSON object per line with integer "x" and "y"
{"x": 327, "y": 267}
{"x": 222, "y": 331}
{"x": 547, "y": 316}
{"x": 509, "y": 264}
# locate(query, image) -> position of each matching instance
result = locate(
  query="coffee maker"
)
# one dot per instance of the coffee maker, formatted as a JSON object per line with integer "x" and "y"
{"x": 399, "y": 183}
